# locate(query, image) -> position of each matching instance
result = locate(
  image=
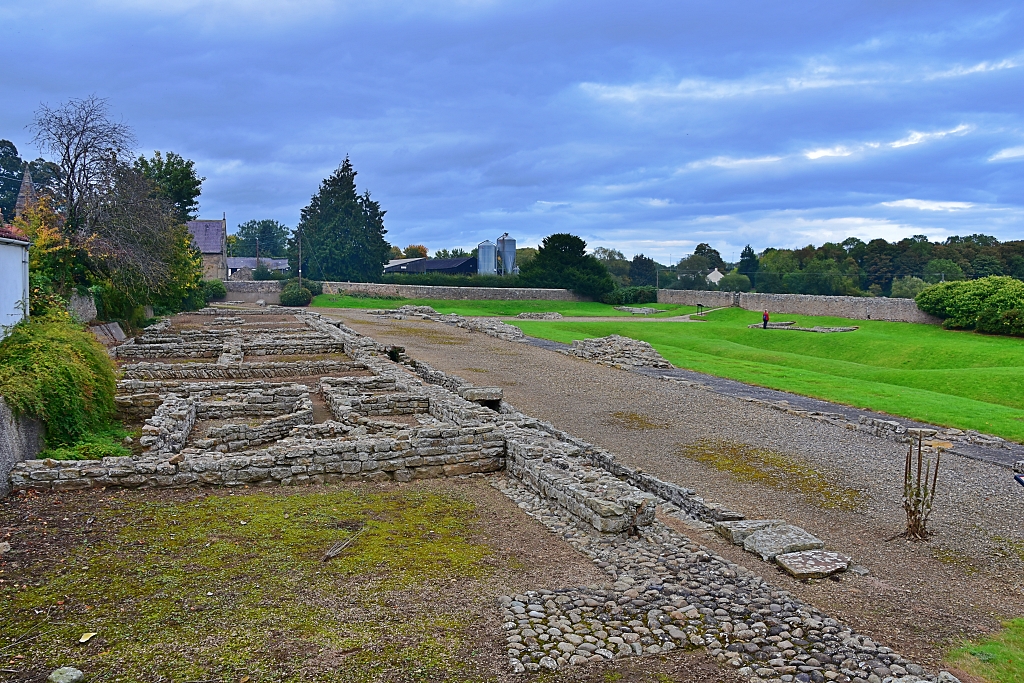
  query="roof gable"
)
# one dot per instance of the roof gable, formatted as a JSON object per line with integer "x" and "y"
{"x": 208, "y": 236}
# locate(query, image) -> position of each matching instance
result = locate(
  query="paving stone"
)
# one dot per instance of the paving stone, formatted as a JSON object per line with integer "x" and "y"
{"x": 813, "y": 564}
{"x": 778, "y": 540}
{"x": 736, "y": 532}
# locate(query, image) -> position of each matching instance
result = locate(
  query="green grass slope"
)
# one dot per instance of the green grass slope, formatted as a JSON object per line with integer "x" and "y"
{"x": 588, "y": 309}
{"x": 957, "y": 379}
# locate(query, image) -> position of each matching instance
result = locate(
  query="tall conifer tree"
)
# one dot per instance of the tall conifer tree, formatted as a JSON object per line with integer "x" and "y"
{"x": 342, "y": 232}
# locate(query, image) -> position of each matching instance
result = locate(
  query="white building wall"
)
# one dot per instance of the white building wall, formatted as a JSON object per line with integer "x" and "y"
{"x": 13, "y": 283}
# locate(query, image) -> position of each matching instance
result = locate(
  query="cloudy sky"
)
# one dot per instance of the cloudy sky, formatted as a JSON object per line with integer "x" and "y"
{"x": 644, "y": 126}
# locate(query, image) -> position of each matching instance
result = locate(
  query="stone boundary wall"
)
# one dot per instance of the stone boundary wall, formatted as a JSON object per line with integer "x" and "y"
{"x": 853, "y": 307}
{"x": 251, "y": 291}
{"x": 449, "y": 293}
{"x": 692, "y": 297}
{"x": 21, "y": 438}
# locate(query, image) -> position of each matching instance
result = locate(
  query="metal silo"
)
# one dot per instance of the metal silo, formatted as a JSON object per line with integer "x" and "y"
{"x": 507, "y": 251}
{"x": 486, "y": 258}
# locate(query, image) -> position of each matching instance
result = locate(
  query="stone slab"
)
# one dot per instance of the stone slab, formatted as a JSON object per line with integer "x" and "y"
{"x": 813, "y": 564}
{"x": 779, "y": 540}
{"x": 737, "y": 532}
{"x": 482, "y": 393}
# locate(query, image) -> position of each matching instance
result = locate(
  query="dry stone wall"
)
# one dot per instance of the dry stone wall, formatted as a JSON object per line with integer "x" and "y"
{"x": 448, "y": 293}
{"x": 853, "y": 307}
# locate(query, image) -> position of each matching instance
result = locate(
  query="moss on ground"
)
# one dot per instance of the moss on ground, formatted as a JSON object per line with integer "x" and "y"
{"x": 777, "y": 470}
{"x": 228, "y": 586}
{"x": 999, "y": 659}
{"x": 636, "y": 421}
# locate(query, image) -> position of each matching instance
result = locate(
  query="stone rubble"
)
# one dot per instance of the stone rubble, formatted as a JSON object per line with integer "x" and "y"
{"x": 540, "y": 316}
{"x": 644, "y": 310}
{"x": 789, "y": 325}
{"x": 617, "y": 351}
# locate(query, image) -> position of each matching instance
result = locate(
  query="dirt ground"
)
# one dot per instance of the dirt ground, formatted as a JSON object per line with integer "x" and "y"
{"x": 920, "y": 598}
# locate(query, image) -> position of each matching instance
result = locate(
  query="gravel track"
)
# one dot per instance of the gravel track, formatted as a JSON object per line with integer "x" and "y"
{"x": 918, "y": 597}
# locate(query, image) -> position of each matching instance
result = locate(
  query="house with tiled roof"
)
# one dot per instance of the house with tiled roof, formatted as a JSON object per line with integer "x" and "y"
{"x": 211, "y": 238}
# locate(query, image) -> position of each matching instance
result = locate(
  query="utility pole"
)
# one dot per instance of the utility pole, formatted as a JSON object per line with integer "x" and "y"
{"x": 300, "y": 255}
{"x": 257, "y": 252}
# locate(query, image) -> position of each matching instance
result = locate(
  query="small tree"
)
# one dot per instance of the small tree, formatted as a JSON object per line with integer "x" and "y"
{"x": 919, "y": 490}
{"x": 643, "y": 271}
{"x": 415, "y": 251}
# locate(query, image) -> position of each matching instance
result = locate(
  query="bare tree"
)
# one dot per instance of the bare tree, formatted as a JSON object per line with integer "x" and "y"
{"x": 87, "y": 145}
{"x": 131, "y": 230}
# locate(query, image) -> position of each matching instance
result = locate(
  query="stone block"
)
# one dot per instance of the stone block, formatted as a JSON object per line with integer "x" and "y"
{"x": 482, "y": 394}
{"x": 813, "y": 564}
{"x": 779, "y": 540}
{"x": 737, "y": 532}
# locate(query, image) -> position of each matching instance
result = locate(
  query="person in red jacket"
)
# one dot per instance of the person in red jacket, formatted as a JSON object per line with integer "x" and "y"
{"x": 764, "y": 320}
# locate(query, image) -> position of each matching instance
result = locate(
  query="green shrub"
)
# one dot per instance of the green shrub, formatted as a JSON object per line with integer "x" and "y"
{"x": 214, "y": 289}
{"x": 55, "y": 370}
{"x": 989, "y": 304}
{"x": 293, "y": 295}
{"x": 315, "y": 288}
{"x": 624, "y": 296}
{"x": 104, "y": 444}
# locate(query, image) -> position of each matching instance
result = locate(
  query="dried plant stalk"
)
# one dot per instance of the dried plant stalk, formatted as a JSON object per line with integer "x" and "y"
{"x": 919, "y": 485}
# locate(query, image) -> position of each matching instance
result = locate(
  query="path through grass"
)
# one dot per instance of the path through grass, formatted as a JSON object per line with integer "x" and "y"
{"x": 957, "y": 379}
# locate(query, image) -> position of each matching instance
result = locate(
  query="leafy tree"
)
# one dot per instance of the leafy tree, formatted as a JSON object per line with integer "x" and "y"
{"x": 939, "y": 270}
{"x": 415, "y": 251}
{"x": 454, "y": 253}
{"x": 342, "y": 232}
{"x": 643, "y": 271}
{"x": 907, "y": 287}
{"x": 269, "y": 235}
{"x": 734, "y": 282}
{"x": 562, "y": 262}
{"x": 113, "y": 231}
{"x": 616, "y": 263}
{"x": 176, "y": 181}
{"x": 395, "y": 253}
{"x": 523, "y": 254}
{"x": 714, "y": 258}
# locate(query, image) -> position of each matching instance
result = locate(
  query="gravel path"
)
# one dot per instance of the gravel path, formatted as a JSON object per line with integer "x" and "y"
{"x": 918, "y": 597}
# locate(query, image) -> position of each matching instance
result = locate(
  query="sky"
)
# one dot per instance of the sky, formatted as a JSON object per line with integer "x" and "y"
{"x": 647, "y": 127}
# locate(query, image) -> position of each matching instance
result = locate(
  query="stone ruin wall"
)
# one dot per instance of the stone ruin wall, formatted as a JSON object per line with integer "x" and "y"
{"x": 469, "y": 437}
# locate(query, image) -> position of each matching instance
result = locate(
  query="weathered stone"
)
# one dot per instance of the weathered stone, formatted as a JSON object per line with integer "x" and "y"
{"x": 778, "y": 540}
{"x": 66, "y": 674}
{"x": 737, "y": 531}
{"x": 812, "y": 564}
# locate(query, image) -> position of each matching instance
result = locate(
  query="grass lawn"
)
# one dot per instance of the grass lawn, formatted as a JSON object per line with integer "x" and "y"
{"x": 188, "y": 587}
{"x": 999, "y": 659}
{"x": 957, "y": 379}
{"x": 587, "y": 309}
